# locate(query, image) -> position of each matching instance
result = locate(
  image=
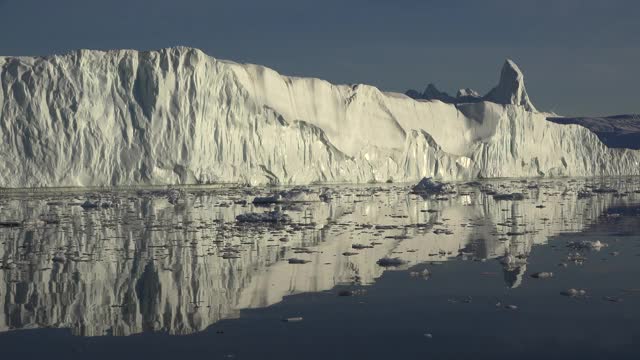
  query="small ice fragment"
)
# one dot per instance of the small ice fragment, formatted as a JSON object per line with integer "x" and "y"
{"x": 586, "y": 245}
{"x": 89, "y": 205}
{"x": 389, "y": 262}
{"x": 293, "y": 319}
{"x": 574, "y": 292}
{"x": 298, "y": 261}
{"x": 266, "y": 200}
{"x": 542, "y": 275}
{"x": 267, "y": 217}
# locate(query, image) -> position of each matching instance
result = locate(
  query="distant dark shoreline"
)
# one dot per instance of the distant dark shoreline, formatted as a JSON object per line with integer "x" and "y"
{"x": 618, "y": 131}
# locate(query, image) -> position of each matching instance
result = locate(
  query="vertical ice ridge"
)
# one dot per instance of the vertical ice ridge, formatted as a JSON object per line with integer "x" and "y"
{"x": 511, "y": 88}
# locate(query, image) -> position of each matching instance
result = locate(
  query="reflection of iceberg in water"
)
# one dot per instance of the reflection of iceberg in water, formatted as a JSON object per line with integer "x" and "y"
{"x": 147, "y": 265}
{"x": 513, "y": 274}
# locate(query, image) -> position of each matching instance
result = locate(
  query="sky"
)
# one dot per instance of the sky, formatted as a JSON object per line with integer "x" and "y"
{"x": 579, "y": 57}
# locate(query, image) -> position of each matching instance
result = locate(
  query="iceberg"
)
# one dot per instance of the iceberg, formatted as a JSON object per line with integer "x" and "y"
{"x": 179, "y": 116}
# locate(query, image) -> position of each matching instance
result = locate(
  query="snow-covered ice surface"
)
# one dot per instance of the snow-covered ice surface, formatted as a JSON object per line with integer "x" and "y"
{"x": 179, "y": 116}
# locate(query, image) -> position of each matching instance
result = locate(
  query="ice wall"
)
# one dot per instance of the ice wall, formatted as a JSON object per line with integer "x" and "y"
{"x": 180, "y": 116}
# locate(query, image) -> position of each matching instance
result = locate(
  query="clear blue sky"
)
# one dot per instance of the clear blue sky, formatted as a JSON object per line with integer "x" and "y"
{"x": 579, "y": 57}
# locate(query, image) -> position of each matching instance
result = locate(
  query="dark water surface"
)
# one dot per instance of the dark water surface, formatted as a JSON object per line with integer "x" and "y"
{"x": 169, "y": 276}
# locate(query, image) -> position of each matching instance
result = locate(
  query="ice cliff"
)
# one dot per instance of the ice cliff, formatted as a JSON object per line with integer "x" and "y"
{"x": 180, "y": 116}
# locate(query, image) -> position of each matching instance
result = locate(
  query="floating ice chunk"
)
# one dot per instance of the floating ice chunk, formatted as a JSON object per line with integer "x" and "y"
{"x": 425, "y": 274}
{"x": 266, "y": 200}
{"x": 288, "y": 196}
{"x": 586, "y": 245}
{"x": 298, "y": 261}
{"x": 584, "y": 194}
{"x": 326, "y": 195}
{"x": 361, "y": 246}
{"x": 507, "y": 197}
{"x": 90, "y": 205}
{"x": 428, "y": 186}
{"x": 604, "y": 190}
{"x": 574, "y": 292}
{"x": 542, "y": 275}
{"x": 293, "y": 319}
{"x": 267, "y": 217}
{"x": 174, "y": 196}
{"x": 299, "y": 195}
{"x": 105, "y": 204}
{"x": 391, "y": 262}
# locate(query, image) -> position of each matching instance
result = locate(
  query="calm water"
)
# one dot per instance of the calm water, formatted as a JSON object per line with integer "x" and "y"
{"x": 148, "y": 277}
